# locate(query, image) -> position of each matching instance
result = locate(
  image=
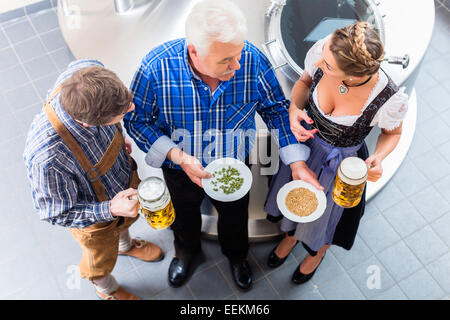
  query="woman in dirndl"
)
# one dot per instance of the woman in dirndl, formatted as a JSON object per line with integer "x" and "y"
{"x": 340, "y": 97}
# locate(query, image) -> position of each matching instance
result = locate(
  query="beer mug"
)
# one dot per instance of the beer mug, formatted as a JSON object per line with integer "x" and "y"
{"x": 155, "y": 203}
{"x": 350, "y": 181}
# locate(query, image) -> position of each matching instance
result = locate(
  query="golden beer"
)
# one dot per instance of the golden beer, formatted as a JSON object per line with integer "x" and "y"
{"x": 350, "y": 181}
{"x": 155, "y": 203}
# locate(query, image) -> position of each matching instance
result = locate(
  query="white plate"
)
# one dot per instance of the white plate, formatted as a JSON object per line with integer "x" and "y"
{"x": 219, "y": 195}
{"x": 281, "y": 201}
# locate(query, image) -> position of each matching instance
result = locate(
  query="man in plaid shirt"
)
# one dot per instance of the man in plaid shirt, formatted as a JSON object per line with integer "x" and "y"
{"x": 203, "y": 90}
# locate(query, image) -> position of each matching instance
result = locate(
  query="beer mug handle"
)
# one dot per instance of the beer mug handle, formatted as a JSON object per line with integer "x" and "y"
{"x": 135, "y": 197}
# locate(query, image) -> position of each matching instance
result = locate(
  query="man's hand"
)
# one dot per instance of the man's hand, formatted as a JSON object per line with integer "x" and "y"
{"x": 300, "y": 171}
{"x": 190, "y": 165}
{"x": 375, "y": 168}
{"x": 295, "y": 116}
{"x": 125, "y": 203}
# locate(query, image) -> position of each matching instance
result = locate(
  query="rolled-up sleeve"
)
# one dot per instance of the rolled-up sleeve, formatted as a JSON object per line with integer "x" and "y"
{"x": 141, "y": 124}
{"x": 55, "y": 198}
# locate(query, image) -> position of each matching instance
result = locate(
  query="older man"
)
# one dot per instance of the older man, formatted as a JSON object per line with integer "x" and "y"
{"x": 81, "y": 174}
{"x": 211, "y": 82}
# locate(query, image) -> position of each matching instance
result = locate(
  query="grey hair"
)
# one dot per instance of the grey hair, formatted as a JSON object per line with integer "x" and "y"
{"x": 215, "y": 20}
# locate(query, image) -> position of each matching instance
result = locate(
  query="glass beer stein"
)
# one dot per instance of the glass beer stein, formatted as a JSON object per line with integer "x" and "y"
{"x": 350, "y": 181}
{"x": 155, "y": 203}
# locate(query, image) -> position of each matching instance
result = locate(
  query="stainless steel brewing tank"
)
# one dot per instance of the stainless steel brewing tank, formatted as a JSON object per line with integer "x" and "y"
{"x": 120, "y": 36}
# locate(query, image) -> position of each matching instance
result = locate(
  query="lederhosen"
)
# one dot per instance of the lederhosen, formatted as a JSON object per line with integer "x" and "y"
{"x": 331, "y": 144}
{"x": 99, "y": 242}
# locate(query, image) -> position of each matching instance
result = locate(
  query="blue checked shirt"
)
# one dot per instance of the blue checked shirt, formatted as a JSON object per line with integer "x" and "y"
{"x": 62, "y": 193}
{"x": 173, "y": 105}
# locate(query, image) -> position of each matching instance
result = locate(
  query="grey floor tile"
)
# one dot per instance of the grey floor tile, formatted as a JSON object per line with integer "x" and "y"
{"x": 409, "y": 179}
{"x": 12, "y": 78}
{"x": 421, "y": 286}
{"x": 442, "y": 227}
{"x": 8, "y": 59}
{"x": 443, "y": 187}
{"x": 399, "y": 269}
{"x": 404, "y": 218}
{"x": 370, "y": 211}
{"x": 22, "y": 97}
{"x": 260, "y": 290}
{"x": 47, "y": 289}
{"x": 44, "y": 21}
{"x": 445, "y": 151}
{"x": 437, "y": 98}
{"x": 134, "y": 283}
{"x": 435, "y": 130}
{"x": 358, "y": 253}
{"x": 313, "y": 294}
{"x": 281, "y": 281}
{"x": 224, "y": 267}
{"x": 426, "y": 245}
{"x": 62, "y": 57}
{"x": 371, "y": 277}
{"x": 419, "y": 145}
{"x": 53, "y": 40}
{"x": 388, "y": 196}
{"x": 19, "y": 273}
{"x": 327, "y": 270}
{"x": 30, "y": 49}
{"x": 430, "y": 203}
{"x": 425, "y": 81}
{"x": 4, "y": 43}
{"x": 445, "y": 116}
{"x": 26, "y": 115}
{"x": 261, "y": 251}
{"x": 9, "y": 17}
{"x": 38, "y": 6}
{"x": 44, "y": 84}
{"x": 377, "y": 233}
{"x": 155, "y": 274}
{"x": 15, "y": 150}
{"x": 8, "y": 126}
{"x": 40, "y": 67}
{"x": 212, "y": 279}
{"x": 440, "y": 270}
{"x": 181, "y": 293}
{"x": 424, "y": 111}
{"x": 73, "y": 287}
{"x": 394, "y": 293}
{"x": 19, "y": 31}
{"x": 432, "y": 165}
{"x": 341, "y": 287}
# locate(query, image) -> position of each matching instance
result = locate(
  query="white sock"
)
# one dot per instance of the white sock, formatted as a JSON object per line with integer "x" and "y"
{"x": 106, "y": 285}
{"x": 125, "y": 241}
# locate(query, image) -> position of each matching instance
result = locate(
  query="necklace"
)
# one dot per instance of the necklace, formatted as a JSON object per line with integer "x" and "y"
{"x": 343, "y": 88}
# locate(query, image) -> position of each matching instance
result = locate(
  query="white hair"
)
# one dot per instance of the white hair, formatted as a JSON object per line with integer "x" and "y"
{"x": 215, "y": 20}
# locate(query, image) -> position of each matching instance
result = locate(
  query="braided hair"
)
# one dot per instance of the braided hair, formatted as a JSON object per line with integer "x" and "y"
{"x": 358, "y": 49}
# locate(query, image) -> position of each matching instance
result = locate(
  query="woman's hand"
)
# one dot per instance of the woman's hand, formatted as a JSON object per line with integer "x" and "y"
{"x": 375, "y": 168}
{"x": 300, "y": 171}
{"x": 295, "y": 116}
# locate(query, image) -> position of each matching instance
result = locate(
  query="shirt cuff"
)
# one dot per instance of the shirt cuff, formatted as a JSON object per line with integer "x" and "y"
{"x": 102, "y": 212}
{"x": 294, "y": 152}
{"x": 157, "y": 153}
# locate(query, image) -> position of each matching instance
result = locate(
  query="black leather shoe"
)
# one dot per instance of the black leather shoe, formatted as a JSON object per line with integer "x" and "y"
{"x": 178, "y": 271}
{"x": 242, "y": 274}
{"x": 274, "y": 261}
{"x": 299, "y": 278}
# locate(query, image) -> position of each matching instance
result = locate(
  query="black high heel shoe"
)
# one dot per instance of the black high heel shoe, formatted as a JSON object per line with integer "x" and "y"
{"x": 299, "y": 278}
{"x": 274, "y": 261}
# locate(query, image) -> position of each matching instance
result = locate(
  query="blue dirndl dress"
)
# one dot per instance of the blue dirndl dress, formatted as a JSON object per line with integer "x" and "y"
{"x": 329, "y": 147}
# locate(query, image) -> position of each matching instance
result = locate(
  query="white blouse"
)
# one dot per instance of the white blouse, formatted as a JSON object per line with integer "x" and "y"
{"x": 390, "y": 114}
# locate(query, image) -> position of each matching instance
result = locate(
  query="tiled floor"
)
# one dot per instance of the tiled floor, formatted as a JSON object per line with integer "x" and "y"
{"x": 401, "y": 251}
